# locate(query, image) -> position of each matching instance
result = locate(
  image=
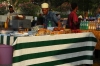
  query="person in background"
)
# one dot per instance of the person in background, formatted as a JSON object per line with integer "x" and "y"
{"x": 49, "y": 16}
{"x": 80, "y": 18}
{"x": 72, "y": 22}
{"x": 10, "y": 14}
{"x": 58, "y": 16}
{"x": 98, "y": 12}
{"x": 86, "y": 15}
{"x": 37, "y": 20}
{"x": 97, "y": 47}
{"x": 40, "y": 20}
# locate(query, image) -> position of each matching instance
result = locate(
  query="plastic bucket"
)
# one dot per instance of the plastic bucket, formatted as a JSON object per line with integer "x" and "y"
{"x": 6, "y": 54}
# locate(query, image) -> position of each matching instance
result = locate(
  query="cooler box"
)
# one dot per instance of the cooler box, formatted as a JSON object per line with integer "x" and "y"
{"x": 26, "y": 23}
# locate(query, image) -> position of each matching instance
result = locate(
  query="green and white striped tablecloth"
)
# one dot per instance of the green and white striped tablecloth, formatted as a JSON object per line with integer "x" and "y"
{"x": 57, "y": 50}
{"x": 7, "y": 40}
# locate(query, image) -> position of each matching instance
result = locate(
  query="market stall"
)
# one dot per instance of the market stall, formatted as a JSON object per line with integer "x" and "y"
{"x": 48, "y": 47}
{"x": 61, "y": 50}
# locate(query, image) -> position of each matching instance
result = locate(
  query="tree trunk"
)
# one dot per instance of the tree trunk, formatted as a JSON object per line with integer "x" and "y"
{"x": 14, "y": 3}
{"x": 11, "y": 2}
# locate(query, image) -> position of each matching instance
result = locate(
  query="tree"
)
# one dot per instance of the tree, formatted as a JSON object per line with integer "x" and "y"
{"x": 14, "y": 3}
{"x": 84, "y": 5}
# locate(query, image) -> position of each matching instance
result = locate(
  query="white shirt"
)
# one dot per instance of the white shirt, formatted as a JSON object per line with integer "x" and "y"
{"x": 10, "y": 16}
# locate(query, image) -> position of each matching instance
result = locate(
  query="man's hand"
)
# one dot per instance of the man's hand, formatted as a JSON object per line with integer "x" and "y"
{"x": 75, "y": 23}
{"x": 7, "y": 20}
{"x": 59, "y": 24}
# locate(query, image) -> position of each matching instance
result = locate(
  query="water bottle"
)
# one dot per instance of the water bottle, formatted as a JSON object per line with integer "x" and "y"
{"x": 49, "y": 24}
{"x": 84, "y": 25}
{"x": 81, "y": 25}
{"x": 87, "y": 25}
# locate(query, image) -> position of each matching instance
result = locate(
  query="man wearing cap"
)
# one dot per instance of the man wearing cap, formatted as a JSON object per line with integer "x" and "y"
{"x": 49, "y": 16}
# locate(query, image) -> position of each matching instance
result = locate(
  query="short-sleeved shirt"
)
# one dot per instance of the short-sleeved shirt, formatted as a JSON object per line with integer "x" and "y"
{"x": 71, "y": 19}
{"x": 9, "y": 15}
{"x": 50, "y": 17}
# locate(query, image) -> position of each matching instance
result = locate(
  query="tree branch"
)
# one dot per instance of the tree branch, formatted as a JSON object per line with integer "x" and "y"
{"x": 16, "y": 2}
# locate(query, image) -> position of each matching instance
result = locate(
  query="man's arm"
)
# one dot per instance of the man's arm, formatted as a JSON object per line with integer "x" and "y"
{"x": 57, "y": 21}
{"x": 59, "y": 24}
{"x": 8, "y": 17}
{"x": 75, "y": 19}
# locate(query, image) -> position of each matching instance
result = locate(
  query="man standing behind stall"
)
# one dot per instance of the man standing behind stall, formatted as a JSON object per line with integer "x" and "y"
{"x": 49, "y": 16}
{"x": 73, "y": 18}
{"x": 10, "y": 14}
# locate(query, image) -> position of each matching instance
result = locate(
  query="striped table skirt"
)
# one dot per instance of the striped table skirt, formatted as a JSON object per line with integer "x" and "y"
{"x": 57, "y": 50}
{"x": 7, "y": 40}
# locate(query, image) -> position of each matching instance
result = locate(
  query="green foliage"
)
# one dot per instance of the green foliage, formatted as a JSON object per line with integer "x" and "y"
{"x": 2, "y": 0}
{"x": 29, "y": 8}
{"x": 84, "y": 5}
{"x": 3, "y": 9}
{"x": 64, "y": 15}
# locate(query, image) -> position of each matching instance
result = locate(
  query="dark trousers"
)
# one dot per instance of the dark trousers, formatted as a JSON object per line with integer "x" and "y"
{"x": 96, "y": 54}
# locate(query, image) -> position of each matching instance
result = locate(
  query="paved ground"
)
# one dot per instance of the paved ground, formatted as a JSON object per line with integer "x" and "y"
{"x": 96, "y": 62}
{"x": 96, "y": 58}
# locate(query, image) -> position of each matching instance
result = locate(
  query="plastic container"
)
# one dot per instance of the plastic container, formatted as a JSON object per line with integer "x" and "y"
{"x": 6, "y": 54}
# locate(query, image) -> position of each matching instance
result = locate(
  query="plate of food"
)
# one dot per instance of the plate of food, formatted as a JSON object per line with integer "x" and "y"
{"x": 5, "y": 31}
{"x": 20, "y": 34}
